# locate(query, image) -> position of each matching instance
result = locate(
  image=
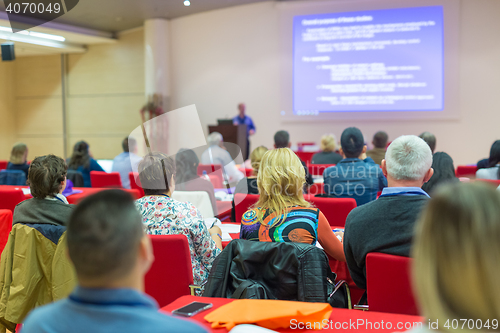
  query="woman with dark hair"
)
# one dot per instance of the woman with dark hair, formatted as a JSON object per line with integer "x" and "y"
{"x": 82, "y": 161}
{"x": 18, "y": 157}
{"x": 493, "y": 171}
{"x": 444, "y": 172}
{"x": 187, "y": 179}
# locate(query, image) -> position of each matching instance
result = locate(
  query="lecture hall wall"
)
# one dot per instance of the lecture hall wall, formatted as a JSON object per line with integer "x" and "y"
{"x": 232, "y": 55}
{"x": 220, "y": 58}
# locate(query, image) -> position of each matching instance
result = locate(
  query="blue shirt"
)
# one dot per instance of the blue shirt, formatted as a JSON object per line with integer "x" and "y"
{"x": 244, "y": 121}
{"x": 104, "y": 310}
{"x": 94, "y": 166}
{"x": 355, "y": 178}
{"x": 393, "y": 191}
{"x": 124, "y": 164}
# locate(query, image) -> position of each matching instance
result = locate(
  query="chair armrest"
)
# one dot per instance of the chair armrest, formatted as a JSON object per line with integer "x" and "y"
{"x": 192, "y": 287}
{"x": 348, "y": 292}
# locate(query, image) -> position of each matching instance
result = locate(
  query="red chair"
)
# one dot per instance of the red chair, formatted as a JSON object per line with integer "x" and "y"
{"x": 334, "y": 209}
{"x": 171, "y": 274}
{"x": 302, "y": 144}
{"x": 247, "y": 172}
{"x": 242, "y": 203}
{"x": 5, "y": 226}
{"x": 466, "y": 171}
{"x": 316, "y": 188}
{"x": 10, "y": 197}
{"x": 318, "y": 169}
{"x": 305, "y": 156}
{"x": 104, "y": 179}
{"x": 494, "y": 182}
{"x": 215, "y": 170}
{"x": 216, "y": 181}
{"x": 388, "y": 284}
{"x": 135, "y": 185}
{"x": 3, "y": 164}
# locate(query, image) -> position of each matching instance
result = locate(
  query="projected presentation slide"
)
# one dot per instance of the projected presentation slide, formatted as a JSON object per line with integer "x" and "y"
{"x": 379, "y": 60}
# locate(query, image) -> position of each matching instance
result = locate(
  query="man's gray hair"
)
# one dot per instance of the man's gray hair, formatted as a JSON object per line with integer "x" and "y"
{"x": 408, "y": 158}
{"x": 214, "y": 139}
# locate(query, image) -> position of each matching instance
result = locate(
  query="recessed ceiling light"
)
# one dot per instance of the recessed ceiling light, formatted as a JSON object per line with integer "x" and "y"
{"x": 187, "y": 3}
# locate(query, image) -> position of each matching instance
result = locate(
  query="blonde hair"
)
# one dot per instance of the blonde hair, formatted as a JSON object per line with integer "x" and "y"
{"x": 328, "y": 143}
{"x": 17, "y": 155}
{"x": 280, "y": 181}
{"x": 456, "y": 251}
{"x": 256, "y": 158}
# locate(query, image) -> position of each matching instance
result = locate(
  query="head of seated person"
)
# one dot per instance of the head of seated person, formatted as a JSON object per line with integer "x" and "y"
{"x": 19, "y": 154}
{"x": 456, "y": 244}
{"x": 215, "y": 139}
{"x": 281, "y": 180}
{"x": 47, "y": 176}
{"x": 106, "y": 242}
{"x": 444, "y": 172}
{"x": 380, "y": 140}
{"x": 156, "y": 173}
{"x": 80, "y": 156}
{"x": 494, "y": 159}
{"x": 430, "y": 139}
{"x": 328, "y": 143}
{"x": 282, "y": 140}
{"x": 186, "y": 166}
{"x": 352, "y": 144}
{"x": 256, "y": 159}
{"x": 407, "y": 162}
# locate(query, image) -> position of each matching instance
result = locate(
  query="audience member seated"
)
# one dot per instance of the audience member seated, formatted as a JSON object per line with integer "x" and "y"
{"x": 493, "y": 170}
{"x": 111, "y": 255}
{"x": 430, "y": 139}
{"x": 248, "y": 185}
{"x": 216, "y": 154}
{"x": 444, "y": 172}
{"x": 327, "y": 155}
{"x": 282, "y": 140}
{"x": 47, "y": 181}
{"x": 82, "y": 161}
{"x": 186, "y": 176}
{"x": 356, "y": 176}
{"x": 379, "y": 143}
{"x": 127, "y": 161}
{"x": 484, "y": 163}
{"x": 456, "y": 240}
{"x": 386, "y": 224}
{"x": 282, "y": 214}
{"x": 162, "y": 215}
{"x": 18, "y": 157}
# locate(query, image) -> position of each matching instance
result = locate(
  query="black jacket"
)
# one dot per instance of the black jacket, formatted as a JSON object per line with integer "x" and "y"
{"x": 284, "y": 271}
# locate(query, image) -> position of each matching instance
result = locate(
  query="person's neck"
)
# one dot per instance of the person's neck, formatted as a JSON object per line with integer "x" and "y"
{"x": 163, "y": 194}
{"x": 391, "y": 182}
{"x": 131, "y": 281}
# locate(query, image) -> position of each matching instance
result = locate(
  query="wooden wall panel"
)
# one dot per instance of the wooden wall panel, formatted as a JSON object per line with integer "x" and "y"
{"x": 7, "y": 121}
{"x": 38, "y": 76}
{"x": 39, "y": 116}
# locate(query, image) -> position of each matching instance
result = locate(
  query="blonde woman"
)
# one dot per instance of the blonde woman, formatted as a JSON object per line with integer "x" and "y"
{"x": 282, "y": 214}
{"x": 456, "y": 253}
{"x": 327, "y": 155}
{"x": 248, "y": 185}
{"x": 18, "y": 157}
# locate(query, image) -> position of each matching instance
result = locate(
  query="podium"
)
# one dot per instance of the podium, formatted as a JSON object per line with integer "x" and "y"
{"x": 233, "y": 134}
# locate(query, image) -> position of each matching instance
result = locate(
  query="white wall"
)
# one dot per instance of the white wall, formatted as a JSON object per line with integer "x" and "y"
{"x": 223, "y": 57}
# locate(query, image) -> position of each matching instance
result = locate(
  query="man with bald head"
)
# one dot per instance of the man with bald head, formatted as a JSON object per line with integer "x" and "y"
{"x": 243, "y": 119}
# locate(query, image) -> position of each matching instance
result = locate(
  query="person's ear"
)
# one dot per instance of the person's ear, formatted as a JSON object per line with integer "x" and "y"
{"x": 274, "y": 146}
{"x": 428, "y": 175}
{"x": 384, "y": 167}
{"x": 364, "y": 150}
{"x": 289, "y": 144}
{"x": 341, "y": 152}
{"x": 145, "y": 255}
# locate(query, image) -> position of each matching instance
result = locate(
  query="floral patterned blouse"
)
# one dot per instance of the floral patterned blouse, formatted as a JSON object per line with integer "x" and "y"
{"x": 162, "y": 215}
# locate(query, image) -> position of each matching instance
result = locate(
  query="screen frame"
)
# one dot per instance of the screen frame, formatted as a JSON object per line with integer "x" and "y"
{"x": 451, "y": 19}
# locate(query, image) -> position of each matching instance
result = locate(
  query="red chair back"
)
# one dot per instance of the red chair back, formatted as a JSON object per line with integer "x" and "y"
{"x": 302, "y": 144}
{"x": 135, "y": 185}
{"x": 242, "y": 203}
{"x": 318, "y": 169}
{"x": 212, "y": 170}
{"x": 316, "y": 188}
{"x": 171, "y": 273}
{"x": 305, "y": 156}
{"x": 248, "y": 172}
{"x": 334, "y": 209}
{"x": 5, "y": 226}
{"x": 494, "y": 182}
{"x": 104, "y": 179}
{"x": 3, "y": 164}
{"x": 10, "y": 197}
{"x": 388, "y": 284}
{"x": 466, "y": 171}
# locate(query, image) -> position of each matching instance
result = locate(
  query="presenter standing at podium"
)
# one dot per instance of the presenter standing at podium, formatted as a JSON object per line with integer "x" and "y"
{"x": 243, "y": 119}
